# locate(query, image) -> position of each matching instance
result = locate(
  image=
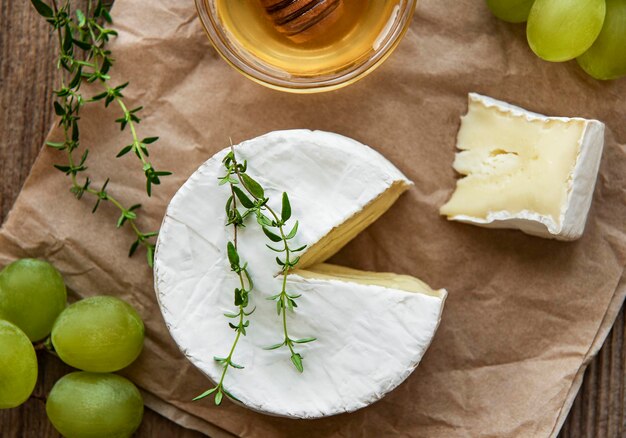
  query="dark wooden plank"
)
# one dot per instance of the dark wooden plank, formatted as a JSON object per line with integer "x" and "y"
{"x": 26, "y": 78}
{"x": 599, "y": 409}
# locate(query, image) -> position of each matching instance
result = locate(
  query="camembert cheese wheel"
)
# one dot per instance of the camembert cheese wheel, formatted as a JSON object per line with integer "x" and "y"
{"x": 372, "y": 329}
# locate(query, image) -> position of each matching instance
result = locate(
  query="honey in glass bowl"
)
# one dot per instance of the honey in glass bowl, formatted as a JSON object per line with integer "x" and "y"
{"x": 349, "y": 39}
{"x": 276, "y": 43}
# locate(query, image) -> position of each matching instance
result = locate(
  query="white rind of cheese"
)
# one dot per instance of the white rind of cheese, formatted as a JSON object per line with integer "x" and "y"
{"x": 369, "y": 337}
{"x": 580, "y": 185}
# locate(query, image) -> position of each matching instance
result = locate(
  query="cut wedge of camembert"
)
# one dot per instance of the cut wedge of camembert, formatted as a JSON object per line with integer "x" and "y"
{"x": 525, "y": 170}
{"x": 372, "y": 329}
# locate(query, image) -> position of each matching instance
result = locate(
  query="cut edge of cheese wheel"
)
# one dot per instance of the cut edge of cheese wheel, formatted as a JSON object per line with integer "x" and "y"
{"x": 342, "y": 234}
{"x": 390, "y": 280}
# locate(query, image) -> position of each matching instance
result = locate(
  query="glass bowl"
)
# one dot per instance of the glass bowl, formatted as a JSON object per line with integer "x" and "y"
{"x": 276, "y": 77}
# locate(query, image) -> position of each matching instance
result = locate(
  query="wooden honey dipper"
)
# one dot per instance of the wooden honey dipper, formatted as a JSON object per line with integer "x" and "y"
{"x": 303, "y": 20}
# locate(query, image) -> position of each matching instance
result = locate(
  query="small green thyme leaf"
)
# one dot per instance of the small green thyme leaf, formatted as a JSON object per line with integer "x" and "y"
{"x": 253, "y": 187}
{"x": 274, "y": 347}
{"x": 233, "y": 257}
{"x": 230, "y": 396}
{"x": 43, "y": 9}
{"x": 229, "y": 204}
{"x": 286, "y": 208}
{"x": 293, "y": 232}
{"x": 263, "y": 220}
{"x": 82, "y": 20}
{"x": 205, "y": 394}
{"x": 218, "y": 398}
{"x": 304, "y": 340}
{"x": 234, "y": 365}
{"x": 243, "y": 198}
{"x": 274, "y": 249}
{"x": 273, "y": 237}
{"x": 297, "y": 361}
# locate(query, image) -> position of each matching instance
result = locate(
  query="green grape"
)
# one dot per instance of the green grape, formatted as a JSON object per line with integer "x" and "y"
{"x": 513, "y": 11}
{"x": 32, "y": 294}
{"x": 606, "y": 59}
{"x": 89, "y": 405}
{"x": 560, "y": 30}
{"x": 18, "y": 366}
{"x": 98, "y": 334}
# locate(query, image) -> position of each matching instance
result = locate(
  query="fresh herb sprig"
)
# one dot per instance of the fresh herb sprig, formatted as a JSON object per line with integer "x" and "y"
{"x": 235, "y": 177}
{"x": 236, "y": 219}
{"x": 274, "y": 228}
{"x": 82, "y": 37}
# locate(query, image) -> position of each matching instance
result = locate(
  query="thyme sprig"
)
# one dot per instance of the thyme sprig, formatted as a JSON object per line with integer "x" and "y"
{"x": 82, "y": 37}
{"x": 236, "y": 219}
{"x": 252, "y": 199}
{"x": 274, "y": 228}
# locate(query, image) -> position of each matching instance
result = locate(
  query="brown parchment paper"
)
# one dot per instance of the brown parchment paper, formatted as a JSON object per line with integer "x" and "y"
{"x": 524, "y": 314}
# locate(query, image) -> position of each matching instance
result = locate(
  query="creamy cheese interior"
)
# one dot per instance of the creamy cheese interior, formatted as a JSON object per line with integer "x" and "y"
{"x": 344, "y": 233}
{"x": 327, "y": 271}
{"x": 513, "y": 162}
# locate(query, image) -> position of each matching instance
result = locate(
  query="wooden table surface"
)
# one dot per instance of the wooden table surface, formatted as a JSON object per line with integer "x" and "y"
{"x": 27, "y": 75}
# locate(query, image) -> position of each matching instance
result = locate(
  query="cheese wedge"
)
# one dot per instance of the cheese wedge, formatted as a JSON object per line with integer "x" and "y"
{"x": 372, "y": 329}
{"x": 524, "y": 170}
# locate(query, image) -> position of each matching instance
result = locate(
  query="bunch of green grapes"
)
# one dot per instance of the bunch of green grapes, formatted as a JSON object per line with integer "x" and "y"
{"x": 97, "y": 335}
{"x": 591, "y": 31}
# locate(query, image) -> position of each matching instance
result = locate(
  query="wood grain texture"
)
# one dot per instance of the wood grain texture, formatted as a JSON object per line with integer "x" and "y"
{"x": 27, "y": 77}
